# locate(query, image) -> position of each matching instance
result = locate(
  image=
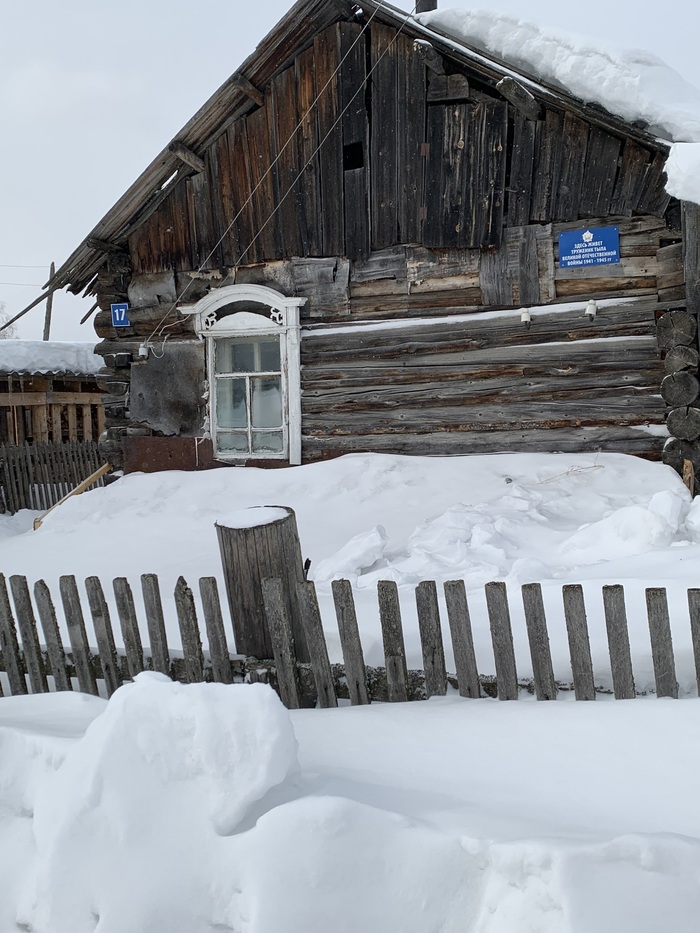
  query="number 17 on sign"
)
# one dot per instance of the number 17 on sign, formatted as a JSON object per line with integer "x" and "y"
{"x": 120, "y": 317}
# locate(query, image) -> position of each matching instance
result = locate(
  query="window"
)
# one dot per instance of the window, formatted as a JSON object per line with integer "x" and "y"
{"x": 254, "y": 372}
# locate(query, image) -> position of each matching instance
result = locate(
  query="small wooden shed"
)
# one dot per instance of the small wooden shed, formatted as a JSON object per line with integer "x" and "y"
{"x": 374, "y": 237}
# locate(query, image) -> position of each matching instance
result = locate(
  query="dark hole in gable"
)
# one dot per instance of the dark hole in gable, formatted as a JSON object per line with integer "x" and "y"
{"x": 353, "y": 157}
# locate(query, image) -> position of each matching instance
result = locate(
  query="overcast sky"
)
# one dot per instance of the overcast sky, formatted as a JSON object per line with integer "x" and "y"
{"x": 90, "y": 92}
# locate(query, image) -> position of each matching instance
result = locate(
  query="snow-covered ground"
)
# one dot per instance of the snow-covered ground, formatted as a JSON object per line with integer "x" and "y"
{"x": 176, "y": 809}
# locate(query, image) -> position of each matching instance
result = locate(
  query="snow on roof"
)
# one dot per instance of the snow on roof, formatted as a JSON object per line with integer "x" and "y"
{"x": 631, "y": 84}
{"x": 50, "y": 356}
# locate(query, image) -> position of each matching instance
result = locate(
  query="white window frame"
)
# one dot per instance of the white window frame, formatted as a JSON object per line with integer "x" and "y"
{"x": 283, "y": 323}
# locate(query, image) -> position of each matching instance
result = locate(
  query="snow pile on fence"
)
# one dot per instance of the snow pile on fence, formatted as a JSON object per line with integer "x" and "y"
{"x": 191, "y": 808}
{"x": 49, "y": 356}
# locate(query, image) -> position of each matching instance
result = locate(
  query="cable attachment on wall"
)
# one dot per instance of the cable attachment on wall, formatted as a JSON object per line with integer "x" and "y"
{"x": 526, "y": 318}
{"x": 591, "y": 310}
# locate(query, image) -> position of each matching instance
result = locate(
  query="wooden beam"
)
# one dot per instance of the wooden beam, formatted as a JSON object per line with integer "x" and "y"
{"x": 103, "y": 246}
{"x": 89, "y": 314}
{"x": 187, "y": 156}
{"x": 432, "y": 59}
{"x": 519, "y": 97}
{"x": 243, "y": 84}
{"x": 691, "y": 254}
{"x": 37, "y": 301}
{"x": 49, "y": 305}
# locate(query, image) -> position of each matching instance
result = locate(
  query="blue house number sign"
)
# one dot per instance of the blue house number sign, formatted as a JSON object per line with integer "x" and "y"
{"x": 594, "y": 246}
{"x": 120, "y": 317}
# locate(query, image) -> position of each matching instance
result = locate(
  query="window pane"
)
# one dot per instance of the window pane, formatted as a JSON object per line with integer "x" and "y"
{"x": 268, "y": 442}
{"x": 222, "y": 356}
{"x": 231, "y": 408}
{"x": 243, "y": 357}
{"x": 233, "y": 442}
{"x": 267, "y": 402}
{"x": 269, "y": 356}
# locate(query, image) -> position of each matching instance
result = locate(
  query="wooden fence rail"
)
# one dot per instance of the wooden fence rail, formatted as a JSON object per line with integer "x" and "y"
{"x": 34, "y": 659}
{"x": 37, "y": 476}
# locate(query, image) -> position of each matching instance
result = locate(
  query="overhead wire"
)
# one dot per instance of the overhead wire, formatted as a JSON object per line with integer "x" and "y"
{"x": 161, "y": 326}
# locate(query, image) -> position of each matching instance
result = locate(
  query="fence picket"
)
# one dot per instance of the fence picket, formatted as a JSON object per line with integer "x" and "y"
{"x": 502, "y": 640}
{"x": 618, "y": 642}
{"x": 280, "y": 627}
{"x": 431, "y": 639}
{"x": 661, "y": 643}
{"x": 579, "y": 642}
{"x": 316, "y": 644}
{"x": 102, "y": 624}
{"x": 129, "y": 623}
{"x": 462, "y": 639}
{"x": 9, "y": 644}
{"x": 189, "y": 632}
{"x": 52, "y": 636}
{"x": 155, "y": 622}
{"x": 538, "y": 639}
{"x": 355, "y": 670}
{"x": 26, "y": 622}
{"x": 216, "y": 635}
{"x": 77, "y": 635}
{"x": 392, "y": 636}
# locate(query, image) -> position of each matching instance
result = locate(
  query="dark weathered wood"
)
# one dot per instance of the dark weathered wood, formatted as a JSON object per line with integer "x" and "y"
{"x": 573, "y": 165}
{"x": 280, "y": 625}
{"x": 9, "y": 644}
{"x": 189, "y": 157}
{"x": 521, "y": 170}
{"x": 618, "y": 642}
{"x": 102, "y": 624}
{"x": 250, "y": 555}
{"x": 49, "y": 308}
{"x": 599, "y": 177}
{"x": 82, "y": 656}
{"x": 538, "y": 638}
{"x": 462, "y": 639}
{"x": 330, "y": 162}
{"x": 519, "y": 97}
{"x": 52, "y": 636}
{"x": 129, "y": 625}
{"x": 548, "y": 160}
{"x": 431, "y": 639}
{"x": 676, "y": 328}
{"x": 392, "y": 636}
{"x": 155, "y": 622}
{"x": 502, "y": 640}
{"x": 661, "y": 643}
{"x": 684, "y": 423}
{"x": 579, "y": 642}
{"x": 694, "y": 611}
{"x": 216, "y": 636}
{"x": 351, "y": 644}
{"x": 691, "y": 254}
{"x": 316, "y": 642}
{"x": 680, "y": 389}
{"x": 385, "y": 129}
{"x": 443, "y": 88}
{"x": 189, "y": 632}
{"x": 26, "y": 622}
{"x": 679, "y": 359}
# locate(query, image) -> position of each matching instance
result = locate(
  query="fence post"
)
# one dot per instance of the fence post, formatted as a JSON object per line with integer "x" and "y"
{"x": 189, "y": 632}
{"x": 251, "y": 554}
{"x": 155, "y": 621}
{"x": 661, "y": 643}
{"x": 579, "y": 642}
{"x": 216, "y": 636}
{"x": 126, "y": 611}
{"x": 538, "y": 638}
{"x": 502, "y": 638}
{"x": 9, "y": 644}
{"x": 26, "y": 622}
{"x": 52, "y": 636}
{"x": 77, "y": 634}
{"x": 431, "y": 639}
{"x": 462, "y": 639}
{"x": 316, "y": 643}
{"x": 392, "y": 636}
{"x": 618, "y": 642}
{"x": 103, "y": 633}
{"x": 355, "y": 671}
{"x": 282, "y": 642}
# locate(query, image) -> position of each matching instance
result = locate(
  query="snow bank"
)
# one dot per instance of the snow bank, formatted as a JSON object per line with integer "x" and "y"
{"x": 48, "y": 356}
{"x": 184, "y": 809}
{"x": 632, "y": 84}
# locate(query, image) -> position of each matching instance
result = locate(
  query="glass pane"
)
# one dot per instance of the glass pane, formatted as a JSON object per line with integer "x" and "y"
{"x": 267, "y": 402}
{"x": 269, "y": 356}
{"x": 268, "y": 442}
{"x": 234, "y": 442}
{"x": 222, "y": 356}
{"x": 243, "y": 357}
{"x": 231, "y": 407}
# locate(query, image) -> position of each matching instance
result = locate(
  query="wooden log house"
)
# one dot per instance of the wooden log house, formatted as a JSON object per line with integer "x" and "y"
{"x": 355, "y": 246}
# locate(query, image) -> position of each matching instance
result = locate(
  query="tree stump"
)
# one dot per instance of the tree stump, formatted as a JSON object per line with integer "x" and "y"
{"x": 258, "y": 544}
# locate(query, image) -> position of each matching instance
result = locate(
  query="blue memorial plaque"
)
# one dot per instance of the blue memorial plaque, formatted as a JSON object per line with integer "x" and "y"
{"x": 592, "y": 246}
{"x": 120, "y": 317}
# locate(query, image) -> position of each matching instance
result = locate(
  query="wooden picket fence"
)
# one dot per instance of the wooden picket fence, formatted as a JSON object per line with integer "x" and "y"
{"x": 37, "y": 476}
{"x": 32, "y": 654}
